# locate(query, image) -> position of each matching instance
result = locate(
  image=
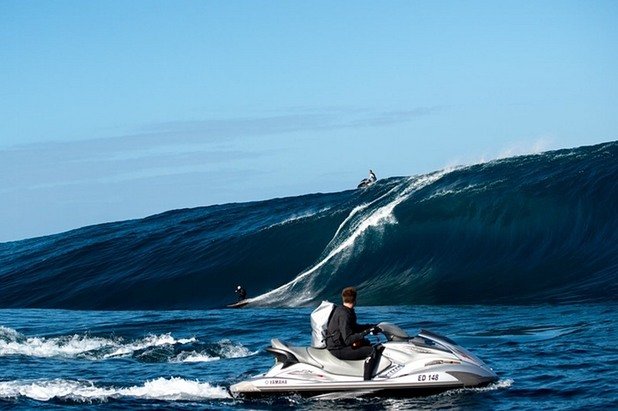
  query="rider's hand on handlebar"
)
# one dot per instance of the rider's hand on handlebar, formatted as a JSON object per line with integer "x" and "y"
{"x": 375, "y": 330}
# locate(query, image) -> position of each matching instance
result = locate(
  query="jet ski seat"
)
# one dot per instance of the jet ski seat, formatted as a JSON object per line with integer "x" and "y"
{"x": 322, "y": 358}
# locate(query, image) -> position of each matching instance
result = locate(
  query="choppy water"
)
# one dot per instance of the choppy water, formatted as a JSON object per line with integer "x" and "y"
{"x": 547, "y": 357}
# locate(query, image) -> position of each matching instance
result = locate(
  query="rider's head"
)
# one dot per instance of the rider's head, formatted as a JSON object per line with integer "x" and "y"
{"x": 349, "y": 295}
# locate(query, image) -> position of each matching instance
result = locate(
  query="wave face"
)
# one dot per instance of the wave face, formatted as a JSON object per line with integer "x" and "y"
{"x": 529, "y": 229}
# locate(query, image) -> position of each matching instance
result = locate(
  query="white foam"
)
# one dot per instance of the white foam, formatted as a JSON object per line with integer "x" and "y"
{"x": 354, "y": 211}
{"x": 71, "y": 346}
{"x": 230, "y": 350}
{"x": 9, "y": 334}
{"x": 86, "y": 391}
{"x": 67, "y": 346}
{"x": 225, "y": 349}
{"x": 194, "y": 356}
{"x": 175, "y": 389}
{"x": 147, "y": 342}
{"x": 498, "y": 385}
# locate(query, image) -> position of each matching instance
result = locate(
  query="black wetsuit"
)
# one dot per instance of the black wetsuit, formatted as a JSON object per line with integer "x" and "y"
{"x": 343, "y": 331}
{"x": 242, "y": 293}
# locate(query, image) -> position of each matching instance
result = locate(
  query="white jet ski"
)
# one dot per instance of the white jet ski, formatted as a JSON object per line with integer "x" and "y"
{"x": 408, "y": 366}
{"x": 365, "y": 182}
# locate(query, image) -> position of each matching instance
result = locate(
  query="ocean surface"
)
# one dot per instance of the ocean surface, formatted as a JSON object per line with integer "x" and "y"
{"x": 515, "y": 259}
{"x": 547, "y": 357}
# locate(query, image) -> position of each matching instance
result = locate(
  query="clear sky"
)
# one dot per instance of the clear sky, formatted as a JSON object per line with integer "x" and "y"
{"x": 111, "y": 110}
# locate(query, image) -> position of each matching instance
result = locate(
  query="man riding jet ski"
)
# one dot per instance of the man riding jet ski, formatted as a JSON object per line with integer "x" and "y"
{"x": 345, "y": 338}
{"x": 402, "y": 366}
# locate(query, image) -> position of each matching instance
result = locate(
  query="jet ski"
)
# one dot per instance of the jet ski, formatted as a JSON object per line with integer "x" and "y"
{"x": 408, "y": 366}
{"x": 365, "y": 182}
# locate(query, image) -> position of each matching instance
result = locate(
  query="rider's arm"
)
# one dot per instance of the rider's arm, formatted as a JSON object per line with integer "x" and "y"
{"x": 347, "y": 332}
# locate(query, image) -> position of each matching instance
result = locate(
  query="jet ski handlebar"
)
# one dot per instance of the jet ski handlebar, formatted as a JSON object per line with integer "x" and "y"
{"x": 393, "y": 332}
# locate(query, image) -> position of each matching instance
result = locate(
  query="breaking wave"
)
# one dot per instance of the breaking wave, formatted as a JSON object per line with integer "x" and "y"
{"x": 529, "y": 229}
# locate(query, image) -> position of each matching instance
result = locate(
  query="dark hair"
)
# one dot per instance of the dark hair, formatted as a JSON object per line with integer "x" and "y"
{"x": 349, "y": 295}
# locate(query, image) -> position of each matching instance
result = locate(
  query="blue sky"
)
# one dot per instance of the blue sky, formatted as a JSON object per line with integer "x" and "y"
{"x": 111, "y": 110}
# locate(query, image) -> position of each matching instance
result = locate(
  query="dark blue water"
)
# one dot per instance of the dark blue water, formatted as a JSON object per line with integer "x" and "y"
{"x": 515, "y": 259}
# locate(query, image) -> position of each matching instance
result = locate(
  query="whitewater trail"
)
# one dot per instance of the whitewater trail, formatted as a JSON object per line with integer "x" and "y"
{"x": 86, "y": 391}
{"x": 376, "y": 219}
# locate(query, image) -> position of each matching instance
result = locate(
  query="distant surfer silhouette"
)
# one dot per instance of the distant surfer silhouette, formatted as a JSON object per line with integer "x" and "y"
{"x": 365, "y": 182}
{"x": 242, "y": 293}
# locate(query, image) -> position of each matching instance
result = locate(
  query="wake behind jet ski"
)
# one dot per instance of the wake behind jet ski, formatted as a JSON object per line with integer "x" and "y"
{"x": 366, "y": 182}
{"x": 408, "y": 366}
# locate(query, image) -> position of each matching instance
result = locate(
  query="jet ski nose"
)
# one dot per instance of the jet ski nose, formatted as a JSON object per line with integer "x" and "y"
{"x": 474, "y": 379}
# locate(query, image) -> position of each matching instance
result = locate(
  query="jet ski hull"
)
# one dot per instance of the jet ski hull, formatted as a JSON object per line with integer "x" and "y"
{"x": 365, "y": 183}
{"x": 269, "y": 387}
{"x": 413, "y": 366}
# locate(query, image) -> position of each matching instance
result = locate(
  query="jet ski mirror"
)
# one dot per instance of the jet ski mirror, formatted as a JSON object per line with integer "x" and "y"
{"x": 393, "y": 332}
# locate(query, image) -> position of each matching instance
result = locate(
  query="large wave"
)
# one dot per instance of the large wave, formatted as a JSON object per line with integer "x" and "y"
{"x": 528, "y": 229}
